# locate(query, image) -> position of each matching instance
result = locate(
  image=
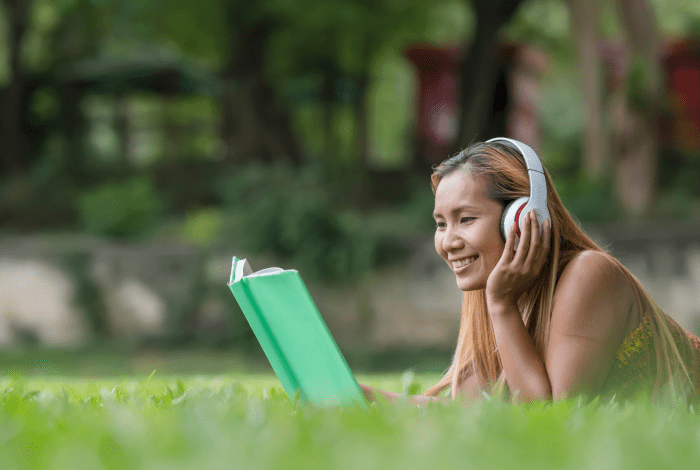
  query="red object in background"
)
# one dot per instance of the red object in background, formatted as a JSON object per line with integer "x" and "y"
{"x": 682, "y": 64}
{"x": 438, "y": 98}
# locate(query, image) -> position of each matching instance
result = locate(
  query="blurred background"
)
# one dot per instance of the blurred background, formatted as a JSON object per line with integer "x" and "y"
{"x": 144, "y": 144}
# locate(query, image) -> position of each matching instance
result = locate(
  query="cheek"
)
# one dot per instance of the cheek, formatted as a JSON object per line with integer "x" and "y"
{"x": 438, "y": 243}
{"x": 495, "y": 253}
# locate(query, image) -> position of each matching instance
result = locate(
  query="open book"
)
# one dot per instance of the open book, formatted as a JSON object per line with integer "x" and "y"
{"x": 294, "y": 336}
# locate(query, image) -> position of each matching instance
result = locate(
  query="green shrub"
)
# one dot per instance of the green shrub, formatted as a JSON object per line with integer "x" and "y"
{"x": 589, "y": 199}
{"x": 675, "y": 203}
{"x": 120, "y": 209}
{"x": 202, "y": 226}
{"x": 291, "y": 213}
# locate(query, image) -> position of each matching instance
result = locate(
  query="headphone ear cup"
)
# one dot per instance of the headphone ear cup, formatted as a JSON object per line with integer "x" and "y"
{"x": 510, "y": 213}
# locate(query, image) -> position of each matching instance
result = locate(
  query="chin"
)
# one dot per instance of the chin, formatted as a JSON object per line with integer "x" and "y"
{"x": 466, "y": 286}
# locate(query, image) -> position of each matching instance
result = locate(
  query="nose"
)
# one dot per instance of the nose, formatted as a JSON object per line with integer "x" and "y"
{"x": 451, "y": 240}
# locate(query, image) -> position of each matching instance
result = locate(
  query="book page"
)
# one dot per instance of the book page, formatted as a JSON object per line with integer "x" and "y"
{"x": 242, "y": 269}
{"x": 266, "y": 272}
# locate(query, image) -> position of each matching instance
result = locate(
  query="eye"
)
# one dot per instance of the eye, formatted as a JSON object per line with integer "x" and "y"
{"x": 440, "y": 225}
{"x": 467, "y": 219}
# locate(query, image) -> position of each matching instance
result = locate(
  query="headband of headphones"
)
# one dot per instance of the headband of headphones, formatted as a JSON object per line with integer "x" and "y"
{"x": 516, "y": 210}
{"x": 538, "y": 184}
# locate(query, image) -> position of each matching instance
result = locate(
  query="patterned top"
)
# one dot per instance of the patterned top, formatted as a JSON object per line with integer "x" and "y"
{"x": 634, "y": 369}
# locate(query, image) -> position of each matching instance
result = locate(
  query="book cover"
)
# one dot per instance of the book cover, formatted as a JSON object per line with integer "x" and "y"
{"x": 294, "y": 336}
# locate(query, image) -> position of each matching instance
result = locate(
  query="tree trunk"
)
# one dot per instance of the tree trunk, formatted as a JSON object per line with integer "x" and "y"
{"x": 256, "y": 125}
{"x": 327, "y": 103}
{"x": 75, "y": 126}
{"x": 584, "y": 16}
{"x": 13, "y": 157}
{"x": 362, "y": 140}
{"x": 635, "y": 132}
{"x": 480, "y": 68}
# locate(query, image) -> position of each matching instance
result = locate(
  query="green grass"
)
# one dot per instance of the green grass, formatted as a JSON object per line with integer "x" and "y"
{"x": 245, "y": 421}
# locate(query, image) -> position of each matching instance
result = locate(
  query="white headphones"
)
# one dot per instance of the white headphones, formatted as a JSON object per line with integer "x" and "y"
{"x": 516, "y": 210}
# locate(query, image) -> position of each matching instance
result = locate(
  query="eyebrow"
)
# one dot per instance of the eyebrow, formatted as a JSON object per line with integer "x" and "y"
{"x": 458, "y": 209}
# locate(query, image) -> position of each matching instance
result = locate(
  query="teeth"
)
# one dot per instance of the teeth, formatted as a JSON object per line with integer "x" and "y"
{"x": 463, "y": 262}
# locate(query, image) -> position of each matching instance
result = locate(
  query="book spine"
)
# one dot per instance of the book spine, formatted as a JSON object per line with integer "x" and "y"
{"x": 268, "y": 342}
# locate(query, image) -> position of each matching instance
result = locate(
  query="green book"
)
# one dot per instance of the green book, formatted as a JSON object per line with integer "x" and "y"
{"x": 294, "y": 336}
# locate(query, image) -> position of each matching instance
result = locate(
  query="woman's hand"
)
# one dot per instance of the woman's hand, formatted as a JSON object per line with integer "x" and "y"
{"x": 515, "y": 272}
{"x": 371, "y": 393}
{"x": 392, "y": 397}
{"x": 368, "y": 391}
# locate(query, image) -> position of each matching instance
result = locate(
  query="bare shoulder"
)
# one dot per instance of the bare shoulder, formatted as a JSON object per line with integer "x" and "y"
{"x": 592, "y": 272}
{"x": 592, "y": 297}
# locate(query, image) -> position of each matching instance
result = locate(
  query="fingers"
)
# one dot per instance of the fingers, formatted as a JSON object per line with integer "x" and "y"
{"x": 524, "y": 244}
{"x": 535, "y": 241}
{"x": 546, "y": 235}
{"x": 507, "y": 255}
{"x": 367, "y": 391}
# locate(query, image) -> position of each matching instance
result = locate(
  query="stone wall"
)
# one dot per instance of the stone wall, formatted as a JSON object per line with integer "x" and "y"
{"x": 60, "y": 290}
{"x": 665, "y": 258}
{"x": 49, "y": 284}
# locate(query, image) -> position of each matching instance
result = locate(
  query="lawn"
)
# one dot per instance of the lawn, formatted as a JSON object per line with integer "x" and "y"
{"x": 245, "y": 421}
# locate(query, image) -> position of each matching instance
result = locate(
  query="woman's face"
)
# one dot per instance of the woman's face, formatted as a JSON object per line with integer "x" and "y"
{"x": 468, "y": 228}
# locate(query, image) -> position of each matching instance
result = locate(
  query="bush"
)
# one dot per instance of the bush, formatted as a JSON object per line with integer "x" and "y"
{"x": 589, "y": 199}
{"x": 120, "y": 209}
{"x": 291, "y": 213}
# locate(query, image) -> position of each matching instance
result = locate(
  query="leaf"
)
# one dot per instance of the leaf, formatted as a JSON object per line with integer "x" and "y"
{"x": 179, "y": 399}
{"x": 150, "y": 377}
{"x": 31, "y": 394}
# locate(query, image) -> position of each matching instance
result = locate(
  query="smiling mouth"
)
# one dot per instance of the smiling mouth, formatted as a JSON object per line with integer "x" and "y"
{"x": 462, "y": 263}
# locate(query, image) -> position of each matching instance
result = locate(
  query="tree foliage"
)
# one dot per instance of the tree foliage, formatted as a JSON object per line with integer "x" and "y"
{"x": 278, "y": 62}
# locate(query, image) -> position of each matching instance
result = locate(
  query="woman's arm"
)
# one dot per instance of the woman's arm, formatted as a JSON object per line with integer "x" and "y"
{"x": 515, "y": 272}
{"x": 470, "y": 389}
{"x": 592, "y": 305}
{"x": 524, "y": 369}
{"x": 589, "y": 315}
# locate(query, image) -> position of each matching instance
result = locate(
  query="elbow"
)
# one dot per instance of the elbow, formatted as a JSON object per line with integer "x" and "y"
{"x": 562, "y": 393}
{"x": 543, "y": 395}
{"x": 541, "y": 392}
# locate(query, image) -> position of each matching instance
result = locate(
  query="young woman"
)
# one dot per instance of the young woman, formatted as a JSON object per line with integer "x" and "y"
{"x": 552, "y": 315}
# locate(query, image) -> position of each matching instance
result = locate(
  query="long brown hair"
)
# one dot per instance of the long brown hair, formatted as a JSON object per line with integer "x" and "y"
{"x": 476, "y": 351}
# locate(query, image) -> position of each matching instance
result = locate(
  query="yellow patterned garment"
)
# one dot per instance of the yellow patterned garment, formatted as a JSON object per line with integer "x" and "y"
{"x": 634, "y": 369}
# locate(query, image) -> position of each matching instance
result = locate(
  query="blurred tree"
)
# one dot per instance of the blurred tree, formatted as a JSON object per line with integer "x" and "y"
{"x": 256, "y": 123}
{"x": 13, "y": 155}
{"x": 339, "y": 44}
{"x": 479, "y": 68}
{"x": 42, "y": 36}
{"x": 82, "y": 29}
{"x": 584, "y": 18}
{"x": 270, "y": 52}
{"x": 629, "y": 148}
{"x": 233, "y": 36}
{"x": 636, "y": 108}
